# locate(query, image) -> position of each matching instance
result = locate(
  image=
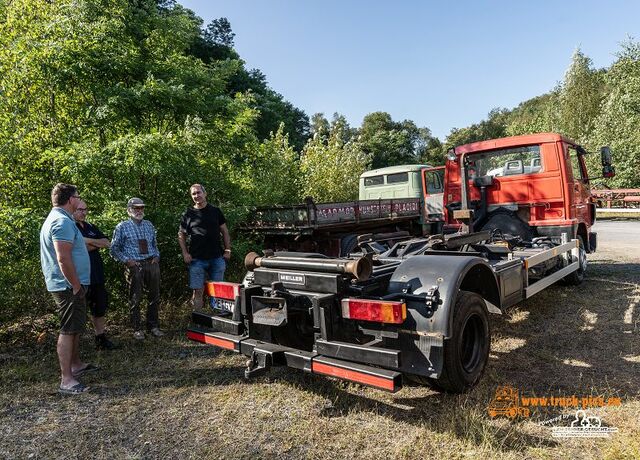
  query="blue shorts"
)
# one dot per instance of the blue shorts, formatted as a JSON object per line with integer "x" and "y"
{"x": 201, "y": 270}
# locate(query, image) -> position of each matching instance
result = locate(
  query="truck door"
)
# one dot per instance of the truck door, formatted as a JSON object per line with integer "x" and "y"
{"x": 433, "y": 189}
{"x": 579, "y": 186}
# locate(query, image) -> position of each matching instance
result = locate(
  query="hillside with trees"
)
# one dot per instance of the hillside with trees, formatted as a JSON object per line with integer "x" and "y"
{"x": 143, "y": 99}
{"x": 595, "y": 107}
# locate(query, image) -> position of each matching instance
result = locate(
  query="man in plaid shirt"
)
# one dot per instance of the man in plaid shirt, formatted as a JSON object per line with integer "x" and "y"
{"x": 134, "y": 244}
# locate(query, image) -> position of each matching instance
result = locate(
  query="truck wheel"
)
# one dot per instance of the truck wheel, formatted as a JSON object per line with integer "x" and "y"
{"x": 467, "y": 351}
{"x": 577, "y": 277}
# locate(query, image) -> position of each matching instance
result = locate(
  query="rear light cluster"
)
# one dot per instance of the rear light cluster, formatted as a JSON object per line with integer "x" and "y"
{"x": 223, "y": 290}
{"x": 380, "y": 311}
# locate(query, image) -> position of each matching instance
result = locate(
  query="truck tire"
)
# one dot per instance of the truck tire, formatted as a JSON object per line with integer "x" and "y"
{"x": 467, "y": 351}
{"x": 577, "y": 277}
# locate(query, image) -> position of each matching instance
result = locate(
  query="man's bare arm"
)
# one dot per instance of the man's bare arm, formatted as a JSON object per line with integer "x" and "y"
{"x": 182, "y": 241}
{"x": 100, "y": 243}
{"x": 63, "y": 254}
{"x": 226, "y": 238}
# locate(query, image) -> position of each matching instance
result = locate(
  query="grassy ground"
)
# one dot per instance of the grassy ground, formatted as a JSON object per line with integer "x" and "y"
{"x": 171, "y": 398}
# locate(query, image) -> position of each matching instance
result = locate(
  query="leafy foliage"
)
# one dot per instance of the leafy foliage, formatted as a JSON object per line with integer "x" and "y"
{"x": 112, "y": 96}
{"x": 390, "y": 143}
{"x": 595, "y": 107}
{"x": 331, "y": 163}
{"x": 140, "y": 99}
{"x": 619, "y": 117}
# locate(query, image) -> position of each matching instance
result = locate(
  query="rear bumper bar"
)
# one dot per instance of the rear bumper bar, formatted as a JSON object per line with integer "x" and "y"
{"x": 264, "y": 355}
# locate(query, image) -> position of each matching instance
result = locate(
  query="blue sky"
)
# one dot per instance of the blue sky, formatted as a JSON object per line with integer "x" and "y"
{"x": 442, "y": 66}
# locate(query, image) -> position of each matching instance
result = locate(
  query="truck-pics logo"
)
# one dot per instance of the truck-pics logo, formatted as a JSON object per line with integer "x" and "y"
{"x": 583, "y": 426}
{"x": 508, "y": 402}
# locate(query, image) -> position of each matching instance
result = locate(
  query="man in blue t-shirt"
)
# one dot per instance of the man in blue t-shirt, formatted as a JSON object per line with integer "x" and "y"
{"x": 67, "y": 273}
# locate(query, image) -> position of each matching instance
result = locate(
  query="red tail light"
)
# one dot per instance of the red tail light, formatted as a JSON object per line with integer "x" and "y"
{"x": 223, "y": 290}
{"x": 380, "y": 311}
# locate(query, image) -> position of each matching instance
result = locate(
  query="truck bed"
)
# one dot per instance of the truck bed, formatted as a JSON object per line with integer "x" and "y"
{"x": 310, "y": 216}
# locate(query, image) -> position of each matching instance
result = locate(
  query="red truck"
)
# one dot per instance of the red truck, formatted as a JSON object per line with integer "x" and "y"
{"x": 531, "y": 186}
{"x": 518, "y": 219}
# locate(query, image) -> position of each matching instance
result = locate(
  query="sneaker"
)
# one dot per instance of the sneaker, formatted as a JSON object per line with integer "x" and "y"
{"x": 138, "y": 335}
{"x": 156, "y": 332}
{"x": 103, "y": 343}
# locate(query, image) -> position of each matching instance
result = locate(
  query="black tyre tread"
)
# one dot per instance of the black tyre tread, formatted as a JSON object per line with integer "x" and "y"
{"x": 577, "y": 277}
{"x": 450, "y": 380}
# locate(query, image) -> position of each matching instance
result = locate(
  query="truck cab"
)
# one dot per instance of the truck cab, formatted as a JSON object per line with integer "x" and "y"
{"x": 530, "y": 186}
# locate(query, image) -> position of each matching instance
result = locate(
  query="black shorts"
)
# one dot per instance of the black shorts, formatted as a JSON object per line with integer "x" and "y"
{"x": 97, "y": 300}
{"x": 72, "y": 310}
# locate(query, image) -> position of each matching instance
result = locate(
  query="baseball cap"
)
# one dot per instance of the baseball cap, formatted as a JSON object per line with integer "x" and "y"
{"x": 135, "y": 202}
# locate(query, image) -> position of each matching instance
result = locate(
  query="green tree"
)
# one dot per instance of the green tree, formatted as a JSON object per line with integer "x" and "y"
{"x": 579, "y": 98}
{"x": 219, "y": 32}
{"x": 533, "y": 116}
{"x": 112, "y": 97}
{"x": 319, "y": 126}
{"x": 491, "y": 128}
{"x": 273, "y": 175}
{"x": 433, "y": 152}
{"x": 215, "y": 46}
{"x": 389, "y": 143}
{"x": 617, "y": 124}
{"x": 331, "y": 167}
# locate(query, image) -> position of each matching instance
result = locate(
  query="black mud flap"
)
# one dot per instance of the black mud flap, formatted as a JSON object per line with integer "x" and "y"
{"x": 593, "y": 241}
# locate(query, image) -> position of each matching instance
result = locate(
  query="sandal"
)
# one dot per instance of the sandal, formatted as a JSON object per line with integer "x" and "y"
{"x": 77, "y": 389}
{"x": 88, "y": 368}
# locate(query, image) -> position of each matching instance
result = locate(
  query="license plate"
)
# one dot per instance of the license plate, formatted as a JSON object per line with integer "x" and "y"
{"x": 225, "y": 305}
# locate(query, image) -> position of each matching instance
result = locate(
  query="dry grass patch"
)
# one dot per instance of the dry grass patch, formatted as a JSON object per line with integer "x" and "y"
{"x": 171, "y": 398}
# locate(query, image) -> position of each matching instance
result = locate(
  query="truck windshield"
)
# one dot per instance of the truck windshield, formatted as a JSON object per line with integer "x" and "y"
{"x": 398, "y": 178}
{"x": 374, "y": 180}
{"x": 506, "y": 162}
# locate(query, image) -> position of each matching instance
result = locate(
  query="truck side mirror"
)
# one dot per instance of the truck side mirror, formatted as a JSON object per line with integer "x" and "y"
{"x": 607, "y": 168}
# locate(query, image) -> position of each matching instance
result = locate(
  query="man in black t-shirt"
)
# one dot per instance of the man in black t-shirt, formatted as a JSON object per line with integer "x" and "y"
{"x": 97, "y": 297}
{"x": 204, "y": 224}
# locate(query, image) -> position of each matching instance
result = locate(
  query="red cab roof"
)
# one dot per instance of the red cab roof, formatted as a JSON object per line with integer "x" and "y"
{"x": 513, "y": 141}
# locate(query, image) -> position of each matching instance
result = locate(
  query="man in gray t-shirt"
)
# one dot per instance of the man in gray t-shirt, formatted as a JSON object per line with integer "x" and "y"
{"x": 67, "y": 273}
